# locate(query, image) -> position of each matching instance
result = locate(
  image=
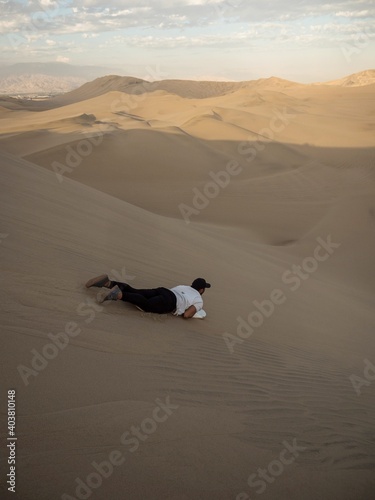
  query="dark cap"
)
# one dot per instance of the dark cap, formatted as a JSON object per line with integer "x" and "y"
{"x": 200, "y": 283}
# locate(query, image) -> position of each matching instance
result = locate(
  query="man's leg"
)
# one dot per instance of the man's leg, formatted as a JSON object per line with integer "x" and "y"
{"x": 160, "y": 301}
{"x": 147, "y": 293}
{"x": 100, "y": 281}
{"x": 154, "y": 304}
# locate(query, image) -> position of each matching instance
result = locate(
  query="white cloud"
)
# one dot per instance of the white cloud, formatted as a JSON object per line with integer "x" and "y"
{"x": 73, "y": 16}
{"x": 350, "y": 13}
{"x": 62, "y": 59}
{"x": 265, "y": 35}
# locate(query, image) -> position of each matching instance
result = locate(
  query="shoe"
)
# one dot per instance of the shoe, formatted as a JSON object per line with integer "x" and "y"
{"x": 99, "y": 281}
{"x": 112, "y": 295}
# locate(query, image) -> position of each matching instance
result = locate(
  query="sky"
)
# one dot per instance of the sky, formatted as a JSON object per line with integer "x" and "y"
{"x": 300, "y": 40}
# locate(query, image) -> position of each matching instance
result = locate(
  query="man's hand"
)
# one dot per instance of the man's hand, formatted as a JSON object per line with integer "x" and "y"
{"x": 189, "y": 313}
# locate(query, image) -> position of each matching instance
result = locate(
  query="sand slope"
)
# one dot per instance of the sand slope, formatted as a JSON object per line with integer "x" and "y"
{"x": 356, "y": 80}
{"x": 288, "y": 380}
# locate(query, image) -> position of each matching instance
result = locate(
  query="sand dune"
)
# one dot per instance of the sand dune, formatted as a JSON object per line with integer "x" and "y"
{"x": 102, "y": 183}
{"x": 189, "y": 140}
{"x": 356, "y": 80}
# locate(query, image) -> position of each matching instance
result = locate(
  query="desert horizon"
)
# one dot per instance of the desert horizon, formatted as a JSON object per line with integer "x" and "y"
{"x": 264, "y": 188}
{"x": 53, "y": 79}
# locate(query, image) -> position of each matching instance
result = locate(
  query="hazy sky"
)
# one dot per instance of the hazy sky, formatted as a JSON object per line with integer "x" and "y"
{"x": 301, "y": 40}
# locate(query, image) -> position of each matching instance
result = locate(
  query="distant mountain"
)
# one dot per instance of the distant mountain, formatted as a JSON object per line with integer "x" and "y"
{"x": 46, "y": 78}
{"x": 38, "y": 84}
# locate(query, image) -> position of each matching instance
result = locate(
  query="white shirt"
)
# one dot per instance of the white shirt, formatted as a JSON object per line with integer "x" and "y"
{"x": 186, "y": 297}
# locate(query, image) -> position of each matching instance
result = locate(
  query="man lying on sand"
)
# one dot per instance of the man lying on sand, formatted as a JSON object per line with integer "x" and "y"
{"x": 180, "y": 300}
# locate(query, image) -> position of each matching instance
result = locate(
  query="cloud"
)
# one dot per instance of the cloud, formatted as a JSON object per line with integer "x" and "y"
{"x": 182, "y": 24}
{"x": 171, "y": 42}
{"x": 354, "y": 14}
{"x": 89, "y": 35}
{"x": 95, "y": 16}
{"x": 62, "y": 59}
{"x": 269, "y": 34}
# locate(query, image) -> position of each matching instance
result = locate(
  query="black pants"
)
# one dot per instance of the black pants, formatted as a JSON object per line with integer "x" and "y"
{"x": 156, "y": 300}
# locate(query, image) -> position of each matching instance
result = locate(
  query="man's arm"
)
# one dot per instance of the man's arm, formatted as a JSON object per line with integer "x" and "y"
{"x": 190, "y": 311}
